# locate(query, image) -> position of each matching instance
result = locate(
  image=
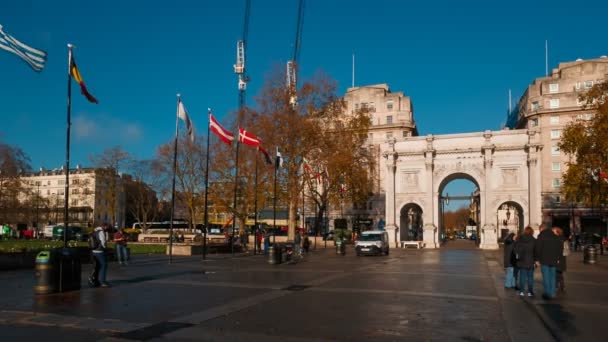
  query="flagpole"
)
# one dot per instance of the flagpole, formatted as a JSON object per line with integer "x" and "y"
{"x": 255, "y": 204}
{"x": 66, "y": 218}
{"x": 236, "y": 188}
{"x": 274, "y": 199}
{"x": 206, "y": 191}
{"x": 173, "y": 182}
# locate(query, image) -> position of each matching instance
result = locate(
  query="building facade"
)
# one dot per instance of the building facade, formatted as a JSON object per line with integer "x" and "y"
{"x": 92, "y": 192}
{"x": 391, "y": 117}
{"x": 547, "y": 106}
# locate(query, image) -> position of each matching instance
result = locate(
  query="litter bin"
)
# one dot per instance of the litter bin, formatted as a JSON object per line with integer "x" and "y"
{"x": 590, "y": 254}
{"x": 274, "y": 254}
{"x": 47, "y": 271}
{"x": 69, "y": 269}
{"x": 340, "y": 247}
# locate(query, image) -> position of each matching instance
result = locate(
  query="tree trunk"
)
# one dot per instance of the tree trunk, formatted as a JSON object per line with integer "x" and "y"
{"x": 292, "y": 218}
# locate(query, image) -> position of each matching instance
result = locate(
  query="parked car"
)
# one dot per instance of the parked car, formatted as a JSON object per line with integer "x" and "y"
{"x": 372, "y": 242}
{"x": 74, "y": 233}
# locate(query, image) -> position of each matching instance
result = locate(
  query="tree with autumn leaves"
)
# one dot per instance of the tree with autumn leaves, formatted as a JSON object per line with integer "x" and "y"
{"x": 586, "y": 142}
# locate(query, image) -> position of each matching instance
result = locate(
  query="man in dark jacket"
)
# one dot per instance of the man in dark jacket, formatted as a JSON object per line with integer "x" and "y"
{"x": 524, "y": 253}
{"x": 509, "y": 261}
{"x": 549, "y": 249}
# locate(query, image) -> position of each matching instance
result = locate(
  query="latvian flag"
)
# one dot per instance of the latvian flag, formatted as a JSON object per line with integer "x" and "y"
{"x": 33, "y": 57}
{"x": 220, "y": 131}
{"x": 267, "y": 158}
{"x": 248, "y": 138}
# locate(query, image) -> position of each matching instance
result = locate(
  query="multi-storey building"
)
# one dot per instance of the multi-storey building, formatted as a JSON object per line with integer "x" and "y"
{"x": 547, "y": 106}
{"x": 391, "y": 117}
{"x": 92, "y": 192}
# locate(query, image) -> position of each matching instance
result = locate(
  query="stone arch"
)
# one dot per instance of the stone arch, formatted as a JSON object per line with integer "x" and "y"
{"x": 510, "y": 217}
{"x": 411, "y": 222}
{"x": 447, "y": 177}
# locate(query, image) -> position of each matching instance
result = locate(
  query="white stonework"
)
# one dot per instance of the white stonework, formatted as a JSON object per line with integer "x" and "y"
{"x": 504, "y": 165}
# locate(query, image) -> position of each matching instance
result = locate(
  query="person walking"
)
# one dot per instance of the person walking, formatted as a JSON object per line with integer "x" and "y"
{"x": 120, "y": 238}
{"x": 98, "y": 277}
{"x": 548, "y": 250}
{"x": 524, "y": 254}
{"x": 258, "y": 240}
{"x": 560, "y": 285}
{"x": 297, "y": 243}
{"x": 509, "y": 261}
{"x": 306, "y": 244}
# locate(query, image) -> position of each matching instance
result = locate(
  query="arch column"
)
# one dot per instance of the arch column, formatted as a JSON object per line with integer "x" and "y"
{"x": 391, "y": 216}
{"x": 489, "y": 231}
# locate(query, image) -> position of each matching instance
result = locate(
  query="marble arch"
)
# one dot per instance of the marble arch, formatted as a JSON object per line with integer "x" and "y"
{"x": 505, "y": 165}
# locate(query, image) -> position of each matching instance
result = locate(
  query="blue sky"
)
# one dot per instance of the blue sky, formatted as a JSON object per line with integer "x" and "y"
{"x": 456, "y": 59}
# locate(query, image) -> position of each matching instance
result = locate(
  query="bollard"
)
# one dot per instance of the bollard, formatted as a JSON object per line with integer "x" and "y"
{"x": 590, "y": 254}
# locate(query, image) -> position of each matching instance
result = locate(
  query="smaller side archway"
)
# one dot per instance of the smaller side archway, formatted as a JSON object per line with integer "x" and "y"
{"x": 510, "y": 219}
{"x": 411, "y": 223}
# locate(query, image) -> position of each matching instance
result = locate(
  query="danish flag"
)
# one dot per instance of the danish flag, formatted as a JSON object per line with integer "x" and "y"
{"x": 248, "y": 138}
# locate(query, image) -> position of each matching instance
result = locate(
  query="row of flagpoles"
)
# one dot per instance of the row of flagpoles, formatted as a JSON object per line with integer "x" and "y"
{"x": 36, "y": 59}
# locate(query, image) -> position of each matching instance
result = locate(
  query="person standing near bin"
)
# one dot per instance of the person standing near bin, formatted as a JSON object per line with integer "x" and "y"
{"x": 120, "y": 238}
{"x": 549, "y": 249}
{"x": 98, "y": 278}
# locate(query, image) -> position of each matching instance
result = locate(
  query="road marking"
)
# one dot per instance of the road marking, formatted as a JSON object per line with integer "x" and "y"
{"x": 66, "y": 321}
{"x": 407, "y": 293}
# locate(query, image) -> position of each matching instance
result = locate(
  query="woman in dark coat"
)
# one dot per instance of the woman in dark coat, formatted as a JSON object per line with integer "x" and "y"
{"x": 524, "y": 253}
{"x": 509, "y": 261}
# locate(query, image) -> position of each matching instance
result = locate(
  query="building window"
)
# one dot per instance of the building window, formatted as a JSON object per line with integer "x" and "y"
{"x": 554, "y": 103}
{"x": 579, "y": 102}
{"x": 356, "y": 106}
{"x": 558, "y": 199}
{"x": 588, "y": 84}
{"x": 389, "y": 105}
{"x": 589, "y": 116}
{"x": 556, "y": 166}
{"x": 61, "y": 192}
{"x": 554, "y": 87}
{"x": 578, "y": 85}
{"x": 405, "y": 134}
{"x": 534, "y": 122}
{"x": 75, "y": 191}
{"x": 389, "y": 119}
{"x": 389, "y": 135}
{"x": 74, "y": 202}
{"x": 555, "y": 150}
{"x": 554, "y": 120}
{"x": 371, "y": 136}
{"x": 556, "y": 183}
{"x": 61, "y": 182}
{"x": 48, "y": 183}
{"x": 535, "y": 106}
{"x": 48, "y": 192}
{"x": 556, "y": 133}
{"x": 372, "y": 107}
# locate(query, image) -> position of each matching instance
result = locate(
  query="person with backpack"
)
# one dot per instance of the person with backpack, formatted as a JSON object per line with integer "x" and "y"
{"x": 98, "y": 244}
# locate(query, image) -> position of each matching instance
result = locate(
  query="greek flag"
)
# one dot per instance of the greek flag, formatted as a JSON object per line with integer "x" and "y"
{"x": 34, "y": 57}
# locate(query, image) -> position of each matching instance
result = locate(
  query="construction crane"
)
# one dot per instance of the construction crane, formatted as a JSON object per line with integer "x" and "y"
{"x": 292, "y": 65}
{"x": 239, "y": 67}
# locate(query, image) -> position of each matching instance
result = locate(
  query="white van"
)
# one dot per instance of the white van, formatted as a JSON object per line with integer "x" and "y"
{"x": 372, "y": 242}
{"x": 48, "y": 231}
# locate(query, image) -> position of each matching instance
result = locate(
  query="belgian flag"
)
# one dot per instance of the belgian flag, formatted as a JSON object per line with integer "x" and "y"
{"x": 75, "y": 73}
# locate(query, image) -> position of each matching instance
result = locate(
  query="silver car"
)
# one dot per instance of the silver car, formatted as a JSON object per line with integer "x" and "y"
{"x": 372, "y": 242}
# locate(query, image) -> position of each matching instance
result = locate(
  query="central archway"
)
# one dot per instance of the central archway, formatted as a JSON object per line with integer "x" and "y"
{"x": 458, "y": 222}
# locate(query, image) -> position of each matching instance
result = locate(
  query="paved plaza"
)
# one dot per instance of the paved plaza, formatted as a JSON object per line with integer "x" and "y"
{"x": 450, "y": 294}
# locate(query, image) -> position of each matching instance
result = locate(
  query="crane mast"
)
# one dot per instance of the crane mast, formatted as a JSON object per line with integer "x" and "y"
{"x": 292, "y": 65}
{"x": 239, "y": 66}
